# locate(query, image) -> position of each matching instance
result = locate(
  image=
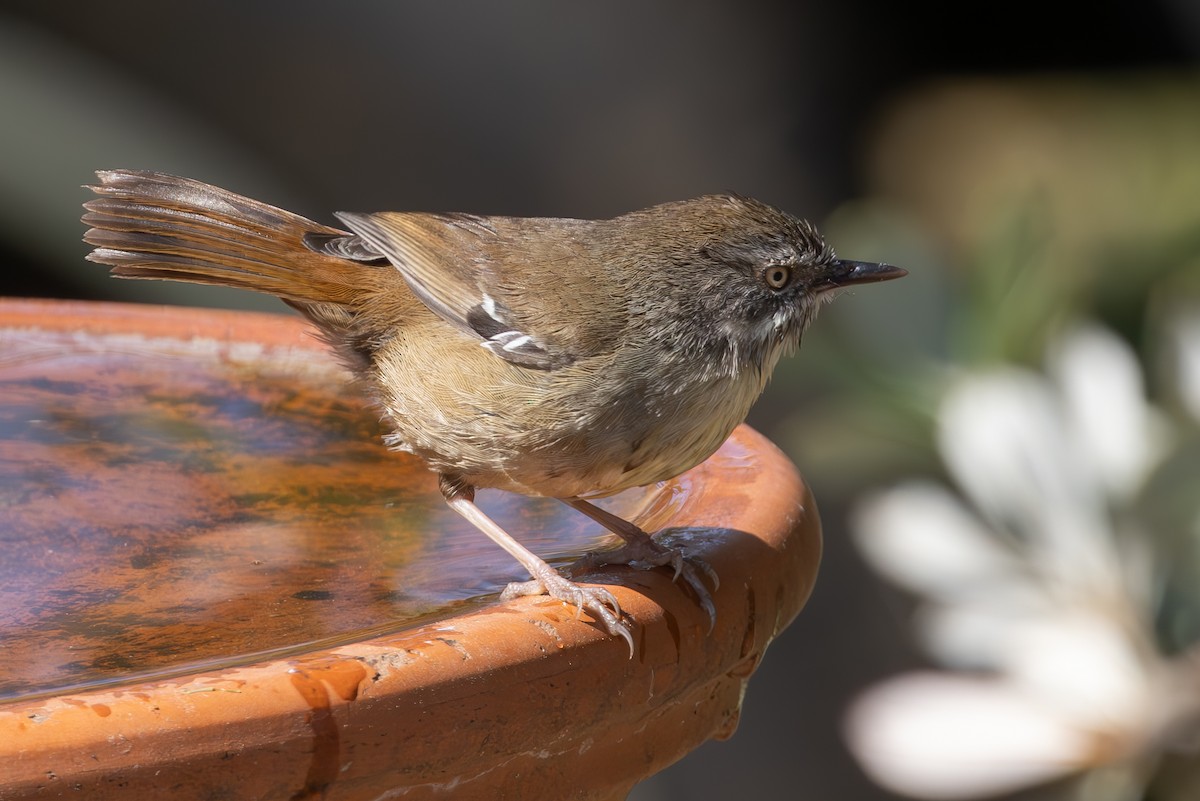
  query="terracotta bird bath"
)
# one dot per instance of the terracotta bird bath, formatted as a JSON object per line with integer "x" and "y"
{"x": 215, "y": 582}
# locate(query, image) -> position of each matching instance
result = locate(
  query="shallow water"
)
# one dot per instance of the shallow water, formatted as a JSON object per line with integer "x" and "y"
{"x": 170, "y": 504}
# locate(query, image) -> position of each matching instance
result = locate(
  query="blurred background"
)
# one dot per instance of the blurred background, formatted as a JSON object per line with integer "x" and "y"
{"x": 1033, "y": 164}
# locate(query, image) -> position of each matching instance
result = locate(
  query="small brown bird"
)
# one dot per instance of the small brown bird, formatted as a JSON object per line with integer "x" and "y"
{"x": 551, "y": 357}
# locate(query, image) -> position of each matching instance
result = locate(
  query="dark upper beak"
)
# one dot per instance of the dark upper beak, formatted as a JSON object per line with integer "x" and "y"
{"x": 844, "y": 273}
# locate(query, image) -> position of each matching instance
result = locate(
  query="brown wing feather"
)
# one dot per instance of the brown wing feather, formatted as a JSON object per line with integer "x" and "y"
{"x": 520, "y": 284}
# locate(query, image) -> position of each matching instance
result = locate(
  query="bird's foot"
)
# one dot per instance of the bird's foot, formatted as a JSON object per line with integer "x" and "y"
{"x": 645, "y": 554}
{"x": 597, "y": 601}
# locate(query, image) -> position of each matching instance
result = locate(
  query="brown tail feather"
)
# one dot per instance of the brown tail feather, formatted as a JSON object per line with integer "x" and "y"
{"x": 153, "y": 225}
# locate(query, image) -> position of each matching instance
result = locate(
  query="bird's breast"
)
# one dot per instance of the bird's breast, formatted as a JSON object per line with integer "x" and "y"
{"x": 592, "y": 429}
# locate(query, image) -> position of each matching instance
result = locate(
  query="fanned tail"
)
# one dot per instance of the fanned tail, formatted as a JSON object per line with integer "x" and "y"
{"x": 158, "y": 226}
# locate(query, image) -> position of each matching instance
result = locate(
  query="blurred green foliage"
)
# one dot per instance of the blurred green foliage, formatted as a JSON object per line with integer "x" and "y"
{"x": 1021, "y": 209}
{"x": 1018, "y": 207}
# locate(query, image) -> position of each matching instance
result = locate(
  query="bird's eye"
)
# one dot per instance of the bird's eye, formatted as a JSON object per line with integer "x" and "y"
{"x": 777, "y": 276}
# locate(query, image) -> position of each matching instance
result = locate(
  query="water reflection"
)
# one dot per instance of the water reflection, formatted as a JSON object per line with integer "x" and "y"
{"x": 167, "y": 504}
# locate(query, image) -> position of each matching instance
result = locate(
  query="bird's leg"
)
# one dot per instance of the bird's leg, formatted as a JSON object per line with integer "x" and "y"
{"x": 546, "y": 580}
{"x": 641, "y": 551}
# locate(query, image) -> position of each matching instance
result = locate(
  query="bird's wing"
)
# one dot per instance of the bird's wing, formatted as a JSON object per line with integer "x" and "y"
{"x": 514, "y": 283}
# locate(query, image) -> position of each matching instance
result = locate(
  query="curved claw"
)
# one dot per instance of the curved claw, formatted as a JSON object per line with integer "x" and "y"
{"x": 647, "y": 555}
{"x": 598, "y": 601}
{"x": 703, "y": 596}
{"x": 460, "y": 496}
{"x": 641, "y": 551}
{"x": 707, "y": 570}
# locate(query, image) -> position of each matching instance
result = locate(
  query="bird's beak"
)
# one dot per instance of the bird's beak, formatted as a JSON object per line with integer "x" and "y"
{"x": 844, "y": 273}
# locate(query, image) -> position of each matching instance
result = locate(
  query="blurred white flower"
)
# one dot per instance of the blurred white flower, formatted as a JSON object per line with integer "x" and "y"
{"x": 939, "y": 735}
{"x": 1043, "y": 587}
